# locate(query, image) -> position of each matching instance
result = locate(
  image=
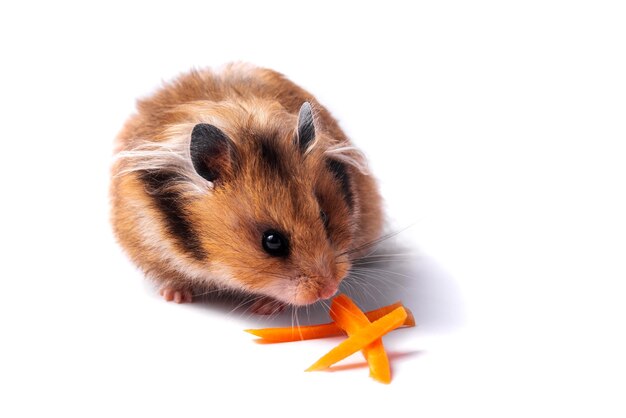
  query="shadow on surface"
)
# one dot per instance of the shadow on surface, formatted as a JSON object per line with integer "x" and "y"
{"x": 395, "y": 273}
{"x": 392, "y": 355}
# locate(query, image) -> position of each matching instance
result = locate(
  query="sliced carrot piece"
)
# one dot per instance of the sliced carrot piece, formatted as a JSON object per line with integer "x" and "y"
{"x": 361, "y": 338}
{"x": 350, "y": 318}
{"x": 307, "y": 332}
{"x": 380, "y": 312}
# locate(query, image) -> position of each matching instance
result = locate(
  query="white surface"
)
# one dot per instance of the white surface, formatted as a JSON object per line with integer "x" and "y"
{"x": 495, "y": 129}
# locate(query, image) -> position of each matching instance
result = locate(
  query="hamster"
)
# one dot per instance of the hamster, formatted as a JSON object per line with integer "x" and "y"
{"x": 239, "y": 180}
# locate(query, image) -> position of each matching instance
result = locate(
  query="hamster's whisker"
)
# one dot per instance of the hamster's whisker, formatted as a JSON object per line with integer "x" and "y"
{"x": 276, "y": 311}
{"x": 208, "y": 292}
{"x": 365, "y": 282}
{"x": 367, "y": 278}
{"x": 350, "y": 288}
{"x": 308, "y": 315}
{"x": 391, "y": 254}
{"x": 378, "y": 258}
{"x": 378, "y": 275}
{"x": 397, "y": 256}
{"x": 325, "y": 304}
{"x": 374, "y": 242}
{"x": 364, "y": 287}
{"x": 297, "y": 321}
{"x": 370, "y": 269}
{"x": 349, "y": 283}
{"x": 380, "y": 262}
{"x": 294, "y": 310}
{"x": 241, "y": 304}
{"x": 343, "y": 286}
{"x": 371, "y": 265}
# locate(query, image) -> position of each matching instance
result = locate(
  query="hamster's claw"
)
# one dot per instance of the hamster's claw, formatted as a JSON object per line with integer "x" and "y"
{"x": 267, "y": 306}
{"x": 177, "y": 295}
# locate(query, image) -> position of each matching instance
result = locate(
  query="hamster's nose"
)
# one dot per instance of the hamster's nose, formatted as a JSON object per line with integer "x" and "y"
{"x": 328, "y": 290}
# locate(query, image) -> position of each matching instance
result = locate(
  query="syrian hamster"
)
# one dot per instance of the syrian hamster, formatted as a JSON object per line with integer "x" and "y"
{"x": 239, "y": 180}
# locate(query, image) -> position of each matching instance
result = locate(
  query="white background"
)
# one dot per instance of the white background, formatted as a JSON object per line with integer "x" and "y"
{"x": 495, "y": 128}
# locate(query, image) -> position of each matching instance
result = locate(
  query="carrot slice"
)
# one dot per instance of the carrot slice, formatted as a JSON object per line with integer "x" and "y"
{"x": 350, "y": 318}
{"x": 380, "y": 312}
{"x": 307, "y": 332}
{"x": 364, "y": 336}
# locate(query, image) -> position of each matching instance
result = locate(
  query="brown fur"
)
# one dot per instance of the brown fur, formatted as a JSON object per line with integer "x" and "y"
{"x": 251, "y": 105}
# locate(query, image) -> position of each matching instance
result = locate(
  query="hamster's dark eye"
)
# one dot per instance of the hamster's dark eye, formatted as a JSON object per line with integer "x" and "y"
{"x": 275, "y": 244}
{"x": 324, "y": 217}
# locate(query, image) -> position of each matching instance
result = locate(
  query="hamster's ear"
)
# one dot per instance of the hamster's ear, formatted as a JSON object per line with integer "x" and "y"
{"x": 213, "y": 153}
{"x": 306, "y": 128}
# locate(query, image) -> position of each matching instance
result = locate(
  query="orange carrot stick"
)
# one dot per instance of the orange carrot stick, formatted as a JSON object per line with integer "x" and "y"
{"x": 380, "y": 312}
{"x": 350, "y": 318}
{"x": 364, "y": 336}
{"x": 307, "y": 332}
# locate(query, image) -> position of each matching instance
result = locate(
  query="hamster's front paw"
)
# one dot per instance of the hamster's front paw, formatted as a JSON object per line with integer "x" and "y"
{"x": 177, "y": 295}
{"x": 267, "y": 306}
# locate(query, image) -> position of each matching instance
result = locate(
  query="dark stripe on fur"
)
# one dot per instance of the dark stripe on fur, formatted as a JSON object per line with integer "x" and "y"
{"x": 340, "y": 171}
{"x": 272, "y": 159}
{"x": 170, "y": 204}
